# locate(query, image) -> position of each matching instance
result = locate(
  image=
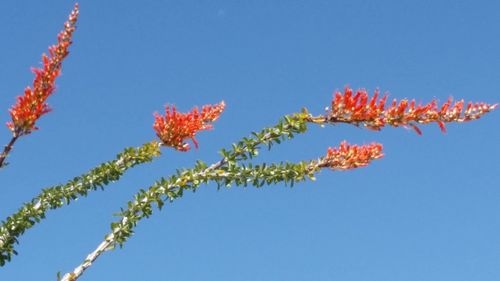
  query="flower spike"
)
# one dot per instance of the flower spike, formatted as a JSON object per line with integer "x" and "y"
{"x": 372, "y": 112}
{"x": 348, "y": 156}
{"x": 32, "y": 105}
{"x": 175, "y": 127}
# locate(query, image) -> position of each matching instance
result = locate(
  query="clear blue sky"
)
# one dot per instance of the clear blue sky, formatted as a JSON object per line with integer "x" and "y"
{"x": 429, "y": 210}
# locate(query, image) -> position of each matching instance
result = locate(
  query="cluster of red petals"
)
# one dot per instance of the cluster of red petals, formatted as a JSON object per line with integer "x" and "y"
{"x": 372, "y": 112}
{"x": 175, "y": 127}
{"x": 32, "y": 105}
{"x": 348, "y": 156}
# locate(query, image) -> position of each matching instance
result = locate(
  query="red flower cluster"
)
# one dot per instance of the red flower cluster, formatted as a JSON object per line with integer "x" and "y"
{"x": 372, "y": 112}
{"x": 175, "y": 127}
{"x": 32, "y": 104}
{"x": 351, "y": 156}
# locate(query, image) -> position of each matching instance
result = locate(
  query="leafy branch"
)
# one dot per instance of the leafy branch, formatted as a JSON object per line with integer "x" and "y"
{"x": 57, "y": 196}
{"x": 169, "y": 189}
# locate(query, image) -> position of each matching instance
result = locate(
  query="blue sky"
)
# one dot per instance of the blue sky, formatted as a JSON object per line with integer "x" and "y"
{"x": 429, "y": 210}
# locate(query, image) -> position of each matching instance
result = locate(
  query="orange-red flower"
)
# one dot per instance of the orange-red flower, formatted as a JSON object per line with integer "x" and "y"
{"x": 30, "y": 106}
{"x": 348, "y": 156}
{"x": 361, "y": 109}
{"x": 175, "y": 127}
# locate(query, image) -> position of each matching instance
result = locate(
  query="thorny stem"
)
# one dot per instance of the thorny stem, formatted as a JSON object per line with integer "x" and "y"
{"x": 7, "y": 150}
{"x": 322, "y": 119}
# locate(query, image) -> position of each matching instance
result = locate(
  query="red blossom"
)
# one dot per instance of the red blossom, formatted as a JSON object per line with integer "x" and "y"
{"x": 348, "y": 156}
{"x": 32, "y": 105}
{"x": 175, "y": 127}
{"x": 373, "y": 113}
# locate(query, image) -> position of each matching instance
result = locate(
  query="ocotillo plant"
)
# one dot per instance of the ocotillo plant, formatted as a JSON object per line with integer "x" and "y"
{"x": 234, "y": 168}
